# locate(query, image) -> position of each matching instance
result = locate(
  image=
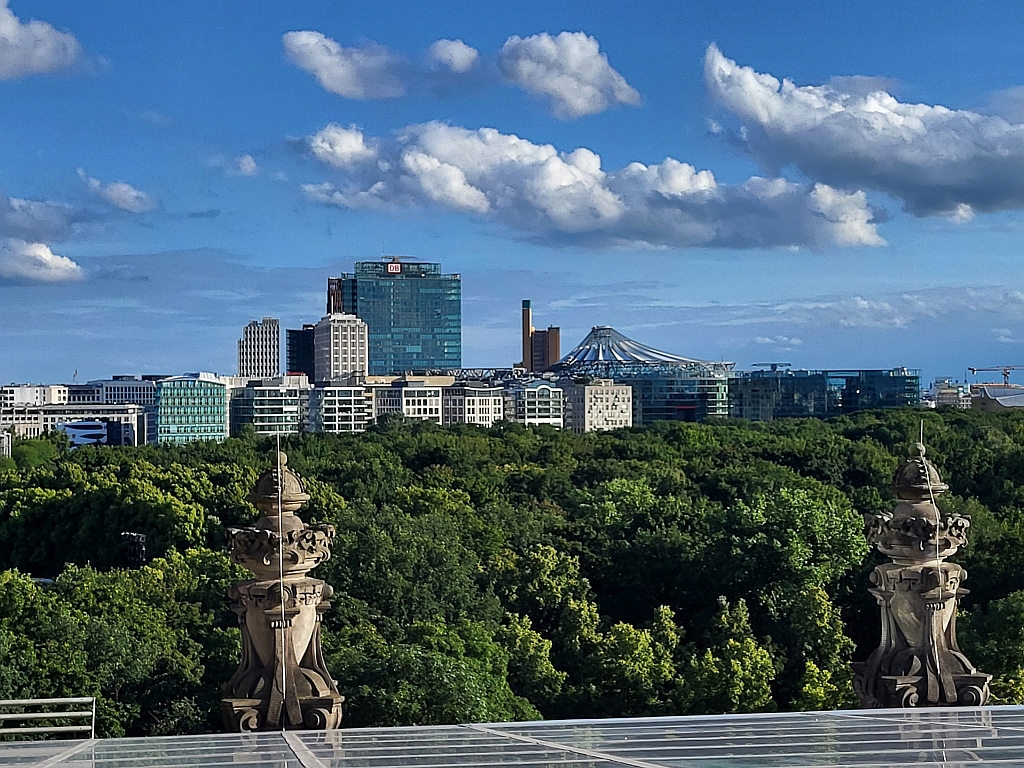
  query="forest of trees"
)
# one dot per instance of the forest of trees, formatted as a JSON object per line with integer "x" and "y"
{"x": 504, "y": 573}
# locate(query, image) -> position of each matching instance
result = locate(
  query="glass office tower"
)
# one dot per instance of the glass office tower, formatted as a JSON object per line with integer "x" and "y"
{"x": 413, "y": 313}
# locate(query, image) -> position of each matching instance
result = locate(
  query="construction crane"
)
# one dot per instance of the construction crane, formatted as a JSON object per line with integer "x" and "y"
{"x": 1003, "y": 369}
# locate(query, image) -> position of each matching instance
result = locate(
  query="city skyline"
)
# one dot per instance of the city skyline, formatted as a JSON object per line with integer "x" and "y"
{"x": 156, "y": 196}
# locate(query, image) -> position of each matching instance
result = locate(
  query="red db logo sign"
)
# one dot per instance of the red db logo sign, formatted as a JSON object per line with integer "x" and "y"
{"x": 394, "y": 268}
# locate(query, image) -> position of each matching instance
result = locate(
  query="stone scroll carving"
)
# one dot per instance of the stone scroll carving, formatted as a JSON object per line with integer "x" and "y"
{"x": 281, "y": 681}
{"x": 918, "y": 662}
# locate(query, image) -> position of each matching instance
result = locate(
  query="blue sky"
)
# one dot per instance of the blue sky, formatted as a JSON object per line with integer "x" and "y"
{"x": 826, "y": 186}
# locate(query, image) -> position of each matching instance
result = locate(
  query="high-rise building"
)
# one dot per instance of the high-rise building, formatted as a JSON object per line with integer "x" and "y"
{"x": 299, "y": 351}
{"x": 541, "y": 349}
{"x": 259, "y": 349}
{"x": 339, "y": 347}
{"x": 412, "y": 310}
{"x": 192, "y": 407}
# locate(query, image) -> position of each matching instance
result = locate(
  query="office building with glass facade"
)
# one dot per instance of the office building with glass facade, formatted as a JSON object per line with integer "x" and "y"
{"x": 192, "y": 407}
{"x": 412, "y": 310}
{"x": 776, "y": 394}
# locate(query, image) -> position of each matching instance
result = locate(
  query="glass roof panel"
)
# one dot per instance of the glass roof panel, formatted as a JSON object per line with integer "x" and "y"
{"x": 855, "y": 739}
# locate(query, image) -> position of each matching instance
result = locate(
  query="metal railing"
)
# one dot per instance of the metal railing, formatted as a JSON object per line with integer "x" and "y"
{"x": 53, "y": 710}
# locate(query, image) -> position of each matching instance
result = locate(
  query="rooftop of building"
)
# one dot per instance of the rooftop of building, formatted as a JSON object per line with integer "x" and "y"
{"x": 841, "y": 739}
{"x": 606, "y": 352}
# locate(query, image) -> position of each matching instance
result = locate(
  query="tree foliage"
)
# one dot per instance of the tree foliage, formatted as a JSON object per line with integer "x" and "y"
{"x": 508, "y": 573}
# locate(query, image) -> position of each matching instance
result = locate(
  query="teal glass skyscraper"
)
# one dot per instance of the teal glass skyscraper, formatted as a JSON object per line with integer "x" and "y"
{"x": 413, "y": 313}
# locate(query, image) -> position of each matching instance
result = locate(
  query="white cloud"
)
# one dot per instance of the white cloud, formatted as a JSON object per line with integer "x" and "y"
{"x": 569, "y": 69}
{"x": 36, "y": 220}
{"x": 20, "y": 260}
{"x": 851, "y": 134}
{"x": 566, "y": 197}
{"x": 119, "y": 194}
{"x": 33, "y": 47}
{"x": 369, "y": 72}
{"x": 453, "y": 55}
{"x": 246, "y": 166}
{"x": 340, "y": 147}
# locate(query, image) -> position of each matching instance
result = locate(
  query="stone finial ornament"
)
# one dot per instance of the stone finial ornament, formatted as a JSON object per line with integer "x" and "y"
{"x": 282, "y": 681}
{"x": 918, "y": 662}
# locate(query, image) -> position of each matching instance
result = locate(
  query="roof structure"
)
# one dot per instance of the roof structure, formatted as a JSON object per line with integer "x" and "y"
{"x": 605, "y": 351}
{"x": 866, "y": 739}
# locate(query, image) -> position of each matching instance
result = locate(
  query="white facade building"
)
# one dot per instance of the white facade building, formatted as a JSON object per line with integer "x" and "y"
{"x": 415, "y": 399}
{"x": 31, "y": 421}
{"x": 340, "y": 408}
{"x": 5, "y": 443}
{"x": 535, "y": 402}
{"x": 272, "y": 406}
{"x": 259, "y": 349}
{"x": 597, "y": 404}
{"x": 33, "y": 394}
{"x": 340, "y": 348}
{"x": 472, "y": 403}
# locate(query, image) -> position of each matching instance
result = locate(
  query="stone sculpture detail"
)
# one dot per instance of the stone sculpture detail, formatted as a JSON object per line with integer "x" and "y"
{"x": 918, "y": 662}
{"x": 282, "y": 681}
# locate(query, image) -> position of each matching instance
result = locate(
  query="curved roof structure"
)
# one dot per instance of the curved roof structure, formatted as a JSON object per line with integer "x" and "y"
{"x": 605, "y": 351}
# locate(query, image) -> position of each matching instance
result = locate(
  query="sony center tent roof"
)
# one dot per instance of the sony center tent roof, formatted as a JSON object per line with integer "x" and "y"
{"x": 605, "y": 350}
{"x": 866, "y": 739}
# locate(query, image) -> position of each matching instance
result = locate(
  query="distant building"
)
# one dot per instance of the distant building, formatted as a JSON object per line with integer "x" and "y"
{"x": 535, "y": 402}
{"x": 32, "y": 421}
{"x": 665, "y": 386}
{"x": 412, "y": 310}
{"x": 541, "y": 349}
{"x": 996, "y": 397}
{"x": 780, "y": 393}
{"x": 33, "y": 394}
{"x": 5, "y": 443}
{"x": 299, "y": 347}
{"x": 191, "y": 408}
{"x": 596, "y": 405}
{"x": 99, "y": 433}
{"x": 116, "y": 390}
{"x": 259, "y": 349}
{"x": 339, "y": 347}
{"x": 274, "y": 406}
{"x": 947, "y": 393}
{"x": 416, "y": 399}
{"x": 472, "y": 402}
{"x": 769, "y": 395}
{"x": 340, "y": 408}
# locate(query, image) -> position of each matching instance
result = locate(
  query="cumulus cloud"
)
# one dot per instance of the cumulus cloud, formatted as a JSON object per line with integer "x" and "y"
{"x": 936, "y": 160}
{"x": 33, "y": 47}
{"x": 453, "y": 55}
{"x": 35, "y": 262}
{"x": 567, "y": 197}
{"x": 341, "y": 147}
{"x": 569, "y": 69}
{"x": 368, "y": 72}
{"x": 119, "y": 194}
{"x": 37, "y": 220}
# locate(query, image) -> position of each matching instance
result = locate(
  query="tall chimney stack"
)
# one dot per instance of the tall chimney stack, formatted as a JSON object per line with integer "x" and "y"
{"x": 527, "y": 335}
